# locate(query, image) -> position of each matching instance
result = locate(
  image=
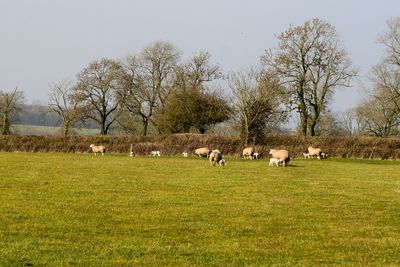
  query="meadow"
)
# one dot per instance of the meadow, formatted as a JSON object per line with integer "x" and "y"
{"x": 25, "y": 129}
{"x": 59, "y": 209}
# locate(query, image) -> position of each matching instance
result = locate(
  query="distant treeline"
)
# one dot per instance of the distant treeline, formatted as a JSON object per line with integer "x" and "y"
{"x": 39, "y": 115}
{"x": 174, "y": 145}
{"x": 158, "y": 92}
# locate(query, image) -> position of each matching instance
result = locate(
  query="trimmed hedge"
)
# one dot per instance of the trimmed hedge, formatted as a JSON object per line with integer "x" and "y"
{"x": 343, "y": 147}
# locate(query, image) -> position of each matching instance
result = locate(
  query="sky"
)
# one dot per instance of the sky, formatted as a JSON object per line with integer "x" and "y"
{"x": 47, "y": 41}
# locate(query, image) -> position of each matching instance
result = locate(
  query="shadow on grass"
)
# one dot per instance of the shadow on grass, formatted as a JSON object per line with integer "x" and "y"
{"x": 289, "y": 166}
{"x": 295, "y": 166}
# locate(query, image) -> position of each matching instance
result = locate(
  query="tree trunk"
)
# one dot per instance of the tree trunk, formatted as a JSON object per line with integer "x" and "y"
{"x": 313, "y": 122}
{"x": 6, "y": 124}
{"x": 245, "y": 131}
{"x": 145, "y": 126}
{"x": 303, "y": 118}
{"x": 312, "y": 128}
{"x": 103, "y": 130}
{"x": 66, "y": 130}
{"x": 303, "y": 125}
{"x": 245, "y": 137}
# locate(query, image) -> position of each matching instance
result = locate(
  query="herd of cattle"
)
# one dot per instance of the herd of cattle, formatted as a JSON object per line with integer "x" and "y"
{"x": 277, "y": 157}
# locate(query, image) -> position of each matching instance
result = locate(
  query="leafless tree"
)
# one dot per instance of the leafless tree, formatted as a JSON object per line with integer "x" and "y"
{"x": 391, "y": 41}
{"x": 96, "y": 91}
{"x": 256, "y": 98}
{"x": 63, "y": 103}
{"x": 199, "y": 70}
{"x": 10, "y": 103}
{"x": 147, "y": 81}
{"x": 132, "y": 96}
{"x": 378, "y": 116}
{"x": 385, "y": 80}
{"x": 351, "y": 123}
{"x": 379, "y": 113}
{"x": 385, "y": 75}
{"x": 331, "y": 125}
{"x": 311, "y": 63}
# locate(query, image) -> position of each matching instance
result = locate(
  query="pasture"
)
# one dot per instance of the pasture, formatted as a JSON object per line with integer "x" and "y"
{"x": 78, "y": 209}
{"x": 26, "y": 129}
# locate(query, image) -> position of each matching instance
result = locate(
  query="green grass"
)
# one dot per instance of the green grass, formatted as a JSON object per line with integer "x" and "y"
{"x": 77, "y": 209}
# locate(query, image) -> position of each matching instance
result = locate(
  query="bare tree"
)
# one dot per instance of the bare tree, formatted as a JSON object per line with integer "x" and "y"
{"x": 385, "y": 80}
{"x": 391, "y": 41}
{"x": 311, "y": 64}
{"x": 10, "y": 103}
{"x": 379, "y": 114}
{"x": 96, "y": 90}
{"x": 378, "y": 117}
{"x": 63, "y": 103}
{"x": 331, "y": 125}
{"x": 385, "y": 76}
{"x": 256, "y": 98}
{"x": 199, "y": 70}
{"x": 147, "y": 81}
{"x": 351, "y": 123}
{"x": 132, "y": 96}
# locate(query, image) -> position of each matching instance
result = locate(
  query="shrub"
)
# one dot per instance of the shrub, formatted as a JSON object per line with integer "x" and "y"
{"x": 344, "y": 147}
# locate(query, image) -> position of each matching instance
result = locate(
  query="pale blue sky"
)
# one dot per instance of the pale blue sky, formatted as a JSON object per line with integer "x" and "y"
{"x": 44, "y": 41}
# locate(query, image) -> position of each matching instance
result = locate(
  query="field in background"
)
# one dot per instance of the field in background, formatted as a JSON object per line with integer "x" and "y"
{"x": 22, "y": 129}
{"x": 78, "y": 209}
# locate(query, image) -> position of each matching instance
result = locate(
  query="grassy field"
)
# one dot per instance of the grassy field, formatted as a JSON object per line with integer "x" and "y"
{"x": 24, "y": 129}
{"x": 77, "y": 209}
